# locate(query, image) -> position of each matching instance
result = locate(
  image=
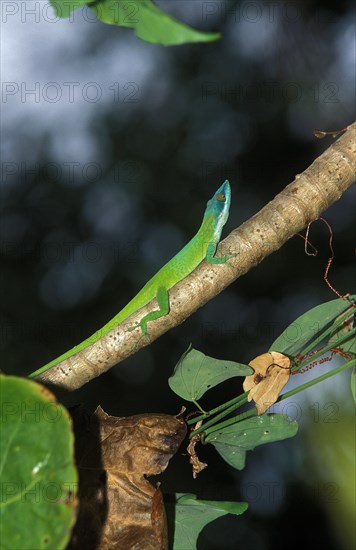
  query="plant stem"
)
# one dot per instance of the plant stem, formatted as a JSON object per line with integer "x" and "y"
{"x": 220, "y": 416}
{"x": 333, "y": 372}
{"x": 326, "y": 332}
{"x": 303, "y": 387}
{"x": 219, "y": 408}
{"x": 323, "y": 350}
{"x": 230, "y": 421}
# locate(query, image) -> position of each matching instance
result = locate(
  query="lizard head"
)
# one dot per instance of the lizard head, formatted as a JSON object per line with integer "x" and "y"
{"x": 218, "y": 208}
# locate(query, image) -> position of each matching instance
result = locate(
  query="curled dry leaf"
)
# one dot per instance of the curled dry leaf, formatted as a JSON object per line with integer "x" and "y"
{"x": 197, "y": 465}
{"x": 119, "y": 507}
{"x": 271, "y": 374}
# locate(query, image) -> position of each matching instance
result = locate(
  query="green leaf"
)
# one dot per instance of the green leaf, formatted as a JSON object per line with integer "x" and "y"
{"x": 234, "y": 441}
{"x": 307, "y": 326}
{"x": 37, "y": 471}
{"x": 150, "y": 23}
{"x": 341, "y": 331}
{"x": 195, "y": 373}
{"x": 353, "y": 383}
{"x": 191, "y": 516}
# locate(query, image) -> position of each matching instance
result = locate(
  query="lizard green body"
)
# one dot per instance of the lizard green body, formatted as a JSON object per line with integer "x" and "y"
{"x": 201, "y": 246}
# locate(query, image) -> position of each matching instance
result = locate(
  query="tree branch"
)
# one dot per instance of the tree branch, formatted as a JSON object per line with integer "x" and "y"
{"x": 301, "y": 202}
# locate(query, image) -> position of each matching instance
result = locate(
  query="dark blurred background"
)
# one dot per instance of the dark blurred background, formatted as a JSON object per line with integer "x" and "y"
{"x": 110, "y": 149}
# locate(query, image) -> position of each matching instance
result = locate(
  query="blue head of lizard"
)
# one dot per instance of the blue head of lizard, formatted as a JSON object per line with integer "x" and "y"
{"x": 218, "y": 208}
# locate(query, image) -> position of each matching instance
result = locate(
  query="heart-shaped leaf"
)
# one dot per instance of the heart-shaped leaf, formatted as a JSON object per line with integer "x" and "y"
{"x": 196, "y": 373}
{"x": 234, "y": 441}
{"x": 191, "y": 516}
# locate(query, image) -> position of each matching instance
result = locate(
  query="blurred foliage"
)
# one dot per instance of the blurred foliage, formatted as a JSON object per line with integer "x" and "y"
{"x": 150, "y": 23}
{"x": 331, "y": 469}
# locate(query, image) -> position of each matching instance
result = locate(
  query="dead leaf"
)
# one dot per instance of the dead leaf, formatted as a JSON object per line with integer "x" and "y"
{"x": 197, "y": 465}
{"x": 119, "y": 507}
{"x": 271, "y": 374}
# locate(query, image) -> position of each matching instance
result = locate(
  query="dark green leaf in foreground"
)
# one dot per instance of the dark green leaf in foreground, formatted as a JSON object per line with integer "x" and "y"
{"x": 150, "y": 23}
{"x": 37, "y": 471}
{"x": 191, "y": 516}
{"x": 195, "y": 373}
{"x": 307, "y": 326}
{"x": 234, "y": 441}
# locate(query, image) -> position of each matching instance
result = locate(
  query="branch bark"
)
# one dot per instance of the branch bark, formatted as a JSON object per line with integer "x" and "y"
{"x": 301, "y": 202}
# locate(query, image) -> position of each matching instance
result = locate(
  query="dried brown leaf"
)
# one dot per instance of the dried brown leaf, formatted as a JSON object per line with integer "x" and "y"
{"x": 119, "y": 507}
{"x": 197, "y": 465}
{"x": 271, "y": 374}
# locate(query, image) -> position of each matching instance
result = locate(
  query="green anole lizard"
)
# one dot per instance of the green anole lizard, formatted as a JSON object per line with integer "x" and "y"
{"x": 201, "y": 246}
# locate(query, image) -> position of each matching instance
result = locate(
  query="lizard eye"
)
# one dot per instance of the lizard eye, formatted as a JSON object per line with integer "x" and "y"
{"x": 221, "y": 197}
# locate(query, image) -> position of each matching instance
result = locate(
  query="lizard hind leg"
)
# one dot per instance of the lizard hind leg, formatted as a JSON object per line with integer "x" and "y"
{"x": 162, "y": 298}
